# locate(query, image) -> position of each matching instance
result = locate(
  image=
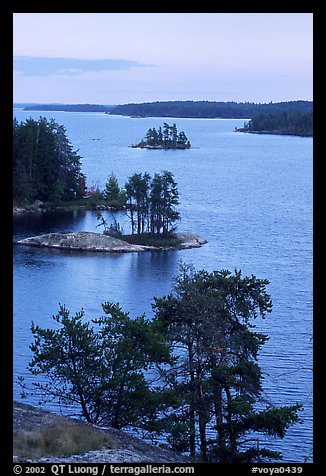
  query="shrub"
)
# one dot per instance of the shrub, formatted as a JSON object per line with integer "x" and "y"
{"x": 147, "y": 239}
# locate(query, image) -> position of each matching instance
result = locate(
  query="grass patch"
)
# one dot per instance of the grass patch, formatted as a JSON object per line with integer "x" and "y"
{"x": 146, "y": 239}
{"x": 65, "y": 439}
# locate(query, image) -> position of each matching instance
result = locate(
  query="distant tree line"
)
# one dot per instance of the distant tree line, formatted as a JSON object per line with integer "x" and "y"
{"x": 286, "y": 123}
{"x": 69, "y": 107}
{"x": 45, "y": 166}
{"x": 209, "y": 109}
{"x": 200, "y": 109}
{"x": 189, "y": 375}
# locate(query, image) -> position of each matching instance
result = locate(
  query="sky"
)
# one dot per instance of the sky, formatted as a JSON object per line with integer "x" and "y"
{"x": 119, "y": 58}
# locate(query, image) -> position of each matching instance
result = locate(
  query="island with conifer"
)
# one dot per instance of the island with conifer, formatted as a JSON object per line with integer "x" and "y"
{"x": 166, "y": 137}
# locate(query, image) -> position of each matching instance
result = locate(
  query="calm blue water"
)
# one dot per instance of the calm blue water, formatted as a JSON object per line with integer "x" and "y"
{"x": 250, "y": 196}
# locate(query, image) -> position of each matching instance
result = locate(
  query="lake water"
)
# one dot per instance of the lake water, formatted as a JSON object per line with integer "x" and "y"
{"x": 249, "y": 195}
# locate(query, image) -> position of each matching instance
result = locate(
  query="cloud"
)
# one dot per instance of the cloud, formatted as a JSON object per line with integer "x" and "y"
{"x": 38, "y": 66}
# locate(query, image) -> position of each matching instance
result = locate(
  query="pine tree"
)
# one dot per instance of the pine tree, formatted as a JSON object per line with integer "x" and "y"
{"x": 112, "y": 192}
{"x": 167, "y": 138}
{"x": 152, "y": 203}
{"x": 209, "y": 317}
{"x": 100, "y": 364}
{"x": 137, "y": 192}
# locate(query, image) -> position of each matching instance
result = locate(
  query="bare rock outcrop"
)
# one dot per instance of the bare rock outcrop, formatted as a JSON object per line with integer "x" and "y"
{"x": 89, "y": 241}
{"x": 126, "y": 447}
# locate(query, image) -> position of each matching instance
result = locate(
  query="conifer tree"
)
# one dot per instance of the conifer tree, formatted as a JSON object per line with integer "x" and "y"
{"x": 112, "y": 192}
{"x": 100, "y": 365}
{"x": 152, "y": 203}
{"x": 45, "y": 166}
{"x": 166, "y": 138}
{"x": 209, "y": 317}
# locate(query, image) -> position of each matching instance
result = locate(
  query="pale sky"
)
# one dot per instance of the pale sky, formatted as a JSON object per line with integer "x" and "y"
{"x": 117, "y": 58}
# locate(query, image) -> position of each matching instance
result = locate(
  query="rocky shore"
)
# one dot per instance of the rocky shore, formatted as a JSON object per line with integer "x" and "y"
{"x": 125, "y": 448}
{"x": 143, "y": 145}
{"x": 274, "y": 132}
{"x": 89, "y": 241}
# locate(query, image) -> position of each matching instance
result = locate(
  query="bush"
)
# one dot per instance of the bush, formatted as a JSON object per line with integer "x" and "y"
{"x": 147, "y": 239}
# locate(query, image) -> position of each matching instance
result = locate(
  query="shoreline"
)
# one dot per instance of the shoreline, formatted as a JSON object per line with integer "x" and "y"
{"x": 43, "y": 207}
{"x": 157, "y": 147}
{"x": 274, "y": 133}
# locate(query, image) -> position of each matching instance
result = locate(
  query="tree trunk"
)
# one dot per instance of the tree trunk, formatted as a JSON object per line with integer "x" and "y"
{"x": 86, "y": 414}
{"x": 218, "y": 408}
{"x": 201, "y": 405}
{"x": 132, "y": 217}
{"x": 232, "y": 435}
{"x": 192, "y": 429}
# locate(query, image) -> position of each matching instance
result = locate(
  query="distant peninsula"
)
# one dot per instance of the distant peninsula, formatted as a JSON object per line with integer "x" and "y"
{"x": 69, "y": 107}
{"x": 280, "y": 123}
{"x": 166, "y": 137}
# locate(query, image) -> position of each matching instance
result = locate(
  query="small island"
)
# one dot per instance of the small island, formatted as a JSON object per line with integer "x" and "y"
{"x": 89, "y": 241}
{"x": 167, "y": 137}
{"x": 150, "y": 205}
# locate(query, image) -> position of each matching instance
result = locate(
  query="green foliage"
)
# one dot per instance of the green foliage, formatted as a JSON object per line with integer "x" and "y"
{"x": 190, "y": 374}
{"x": 101, "y": 370}
{"x": 209, "y": 319}
{"x": 152, "y": 203}
{"x": 137, "y": 190}
{"x": 166, "y": 138}
{"x": 112, "y": 194}
{"x": 45, "y": 166}
{"x": 70, "y": 107}
{"x": 169, "y": 240}
{"x": 209, "y": 109}
{"x": 290, "y": 123}
{"x": 274, "y": 421}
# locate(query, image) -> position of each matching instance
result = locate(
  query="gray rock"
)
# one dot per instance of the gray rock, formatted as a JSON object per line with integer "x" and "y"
{"x": 127, "y": 448}
{"x": 190, "y": 240}
{"x": 81, "y": 241}
{"x": 88, "y": 241}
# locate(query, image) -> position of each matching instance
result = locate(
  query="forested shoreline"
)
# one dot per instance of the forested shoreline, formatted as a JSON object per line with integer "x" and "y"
{"x": 68, "y": 107}
{"x": 194, "y": 109}
{"x": 281, "y": 123}
{"x": 45, "y": 165}
{"x": 209, "y": 109}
